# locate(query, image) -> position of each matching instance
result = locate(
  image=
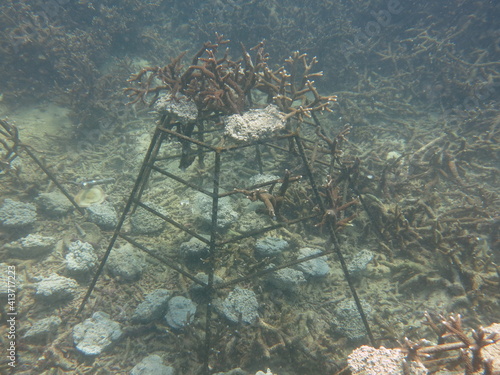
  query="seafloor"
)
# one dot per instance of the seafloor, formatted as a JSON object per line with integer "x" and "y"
{"x": 410, "y": 176}
{"x": 440, "y": 258}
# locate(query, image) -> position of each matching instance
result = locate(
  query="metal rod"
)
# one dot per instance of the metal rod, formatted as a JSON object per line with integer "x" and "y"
{"x": 221, "y": 149}
{"x": 162, "y": 260}
{"x": 336, "y": 243}
{"x": 186, "y": 138}
{"x": 273, "y": 269}
{"x": 258, "y": 157}
{"x": 269, "y": 228}
{"x": 148, "y": 163}
{"x": 201, "y": 138}
{"x": 116, "y": 232}
{"x": 181, "y": 180}
{"x": 172, "y": 221}
{"x": 211, "y": 263}
{"x": 53, "y": 179}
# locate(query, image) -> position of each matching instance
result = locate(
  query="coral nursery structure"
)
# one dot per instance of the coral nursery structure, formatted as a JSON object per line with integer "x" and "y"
{"x": 220, "y": 85}
{"x": 223, "y": 207}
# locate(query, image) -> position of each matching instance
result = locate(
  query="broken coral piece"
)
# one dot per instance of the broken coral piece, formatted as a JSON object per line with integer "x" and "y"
{"x": 88, "y": 197}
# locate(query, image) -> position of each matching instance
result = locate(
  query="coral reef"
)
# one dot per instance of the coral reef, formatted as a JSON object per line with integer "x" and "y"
{"x": 406, "y": 167}
{"x": 220, "y": 85}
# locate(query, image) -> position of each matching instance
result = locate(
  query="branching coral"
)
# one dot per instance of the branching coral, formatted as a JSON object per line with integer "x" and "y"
{"x": 470, "y": 349}
{"x": 423, "y": 357}
{"x": 287, "y": 88}
{"x": 336, "y": 208}
{"x": 220, "y": 85}
{"x": 10, "y": 143}
{"x": 217, "y": 85}
{"x": 272, "y": 201}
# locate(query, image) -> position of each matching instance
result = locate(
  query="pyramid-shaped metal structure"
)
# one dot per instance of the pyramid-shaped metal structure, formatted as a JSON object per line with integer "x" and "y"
{"x": 215, "y": 157}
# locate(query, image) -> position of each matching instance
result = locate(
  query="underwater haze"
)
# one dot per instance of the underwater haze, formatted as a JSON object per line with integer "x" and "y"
{"x": 249, "y": 187}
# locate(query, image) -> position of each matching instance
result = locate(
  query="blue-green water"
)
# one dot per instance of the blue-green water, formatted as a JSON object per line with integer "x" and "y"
{"x": 385, "y": 166}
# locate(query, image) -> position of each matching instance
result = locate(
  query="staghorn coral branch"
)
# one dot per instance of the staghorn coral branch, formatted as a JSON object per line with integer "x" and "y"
{"x": 222, "y": 86}
{"x": 454, "y": 326}
{"x": 470, "y": 349}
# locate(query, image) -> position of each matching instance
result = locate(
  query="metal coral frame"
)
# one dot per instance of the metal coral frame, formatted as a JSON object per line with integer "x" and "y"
{"x": 216, "y": 239}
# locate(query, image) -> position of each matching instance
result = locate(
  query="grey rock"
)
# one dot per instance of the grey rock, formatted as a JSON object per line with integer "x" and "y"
{"x": 81, "y": 258}
{"x": 241, "y": 303}
{"x": 193, "y": 249}
{"x": 347, "y": 321}
{"x": 317, "y": 267}
{"x": 104, "y": 215}
{"x": 357, "y": 265}
{"x": 250, "y": 220}
{"x": 126, "y": 263}
{"x": 31, "y": 246}
{"x": 152, "y": 365}
{"x": 180, "y": 312}
{"x": 202, "y": 207}
{"x": 54, "y": 203}
{"x": 181, "y": 107}
{"x": 270, "y": 246}
{"x": 287, "y": 279}
{"x": 56, "y": 288}
{"x": 153, "y": 306}
{"x": 42, "y": 328}
{"x": 144, "y": 222}
{"x": 202, "y": 276}
{"x": 96, "y": 334}
{"x": 15, "y": 214}
{"x": 197, "y": 291}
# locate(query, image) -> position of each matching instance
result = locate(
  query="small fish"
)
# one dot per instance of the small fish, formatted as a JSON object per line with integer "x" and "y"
{"x": 90, "y": 183}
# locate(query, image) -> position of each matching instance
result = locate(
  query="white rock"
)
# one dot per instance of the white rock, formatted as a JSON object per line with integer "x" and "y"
{"x": 366, "y": 360}
{"x": 96, "y": 334}
{"x": 56, "y": 288}
{"x": 255, "y": 123}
